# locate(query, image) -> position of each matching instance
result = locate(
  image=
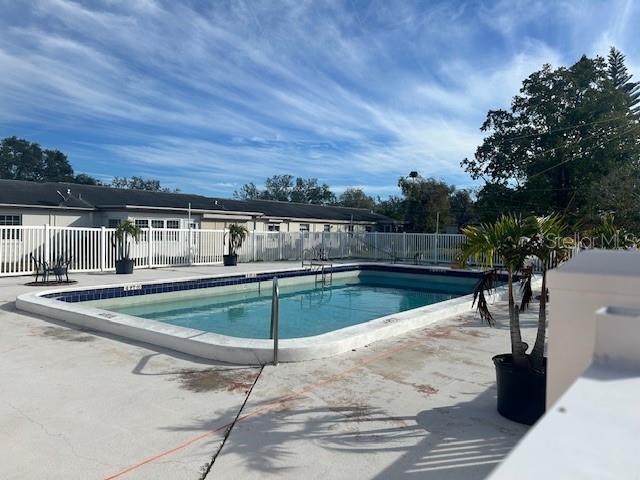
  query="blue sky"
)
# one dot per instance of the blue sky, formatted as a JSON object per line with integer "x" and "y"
{"x": 206, "y": 96}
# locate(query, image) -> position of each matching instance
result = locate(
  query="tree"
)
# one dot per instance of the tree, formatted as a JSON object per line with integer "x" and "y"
{"x": 20, "y": 160}
{"x": 356, "y": 198}
{"x": 139, "y": 183}
{"x": 619, "y": 192}
{"x": 621, "y": 78}
{"x": 547, "y": 244}
{"x": 506, "y": 238}
{"x": 424, "y": 199}
{"x": 284, "y": 188}
{"x": 121, "y": 239}
{"x": 56, "y": 167}
{"x": 566, "y": 130}
{"x": 84, "y": 179}
{"x": 278, "y": 187}
{"x": 310, "y": 191}
{"x": 248, "y": 191}
{"x": 495, "y": 199}
{"x": 462, "y": 208}
{"x": 392, "y": 207}
{"x": 24, "y": 160}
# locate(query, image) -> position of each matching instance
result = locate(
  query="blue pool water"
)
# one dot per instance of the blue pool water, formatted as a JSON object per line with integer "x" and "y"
{"x": 305, "y": 310}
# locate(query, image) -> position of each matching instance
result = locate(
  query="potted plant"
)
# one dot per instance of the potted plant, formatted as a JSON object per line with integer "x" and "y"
{"x": 121, "y": 241}
{"x": 549, "y": 246}
{"x": 237, "y": 235}
{"x": 520, "y": 377}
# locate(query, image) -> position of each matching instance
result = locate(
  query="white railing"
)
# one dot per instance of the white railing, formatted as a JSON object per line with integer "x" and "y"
{"x": 93, "y": 249}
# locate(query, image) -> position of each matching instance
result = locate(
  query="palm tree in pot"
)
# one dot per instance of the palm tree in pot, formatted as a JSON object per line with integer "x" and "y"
{"x": 550, "y": 245}
{"x": 521, "y": 377}
{"x": 520, "y": 394}
{"x": 237, "y": 235}
{"x": 121, "y": 241}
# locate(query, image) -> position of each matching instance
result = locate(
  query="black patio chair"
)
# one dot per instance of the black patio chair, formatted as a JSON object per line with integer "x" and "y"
{"x": 42, "y": 269}
{"x": 61, "y": 268}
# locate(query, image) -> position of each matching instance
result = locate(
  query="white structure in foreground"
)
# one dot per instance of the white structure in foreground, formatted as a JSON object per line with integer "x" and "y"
{"x": 590, "y": 430}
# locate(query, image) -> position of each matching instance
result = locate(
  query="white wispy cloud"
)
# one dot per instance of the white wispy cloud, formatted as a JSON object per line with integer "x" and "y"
{"x": 207, "y": 96}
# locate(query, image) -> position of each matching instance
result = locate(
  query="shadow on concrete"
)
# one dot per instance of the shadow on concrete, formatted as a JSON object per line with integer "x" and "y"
{"x": 463, "y": 441}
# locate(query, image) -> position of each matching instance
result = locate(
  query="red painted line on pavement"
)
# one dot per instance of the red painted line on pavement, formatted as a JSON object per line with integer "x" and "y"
{"x": 332, "y": 378}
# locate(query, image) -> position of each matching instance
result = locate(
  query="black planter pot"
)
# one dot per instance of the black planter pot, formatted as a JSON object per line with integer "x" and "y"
{"x": 521, "y": 391}
{"x": 230, "y": 260}
{"x": 124, "y": 266}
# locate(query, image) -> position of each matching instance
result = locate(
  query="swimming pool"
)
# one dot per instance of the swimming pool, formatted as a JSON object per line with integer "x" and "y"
{"x": 306, "y": 309}
{"x": 227, "y": 317}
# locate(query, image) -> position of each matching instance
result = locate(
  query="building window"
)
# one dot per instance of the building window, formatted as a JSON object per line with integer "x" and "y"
{"x": 172, "y": 225}
{"x": 158, "y": 226}
{"x": 142, "y": 223}
{"x": 350, "y": 228}
{"x": 114, "y": 223}
{"x": 368, "y": 228}
{"x": 10, "y": 221}
{"x": 327, "y": 228}
{"x": 304, "y": 227}
{"x": 273, "y": 227}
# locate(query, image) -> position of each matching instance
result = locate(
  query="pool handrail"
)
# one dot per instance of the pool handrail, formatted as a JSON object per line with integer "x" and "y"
{"x": 275, "y": 313}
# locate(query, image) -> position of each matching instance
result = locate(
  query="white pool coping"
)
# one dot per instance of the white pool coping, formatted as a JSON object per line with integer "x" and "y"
{"x": 224, "y": 348}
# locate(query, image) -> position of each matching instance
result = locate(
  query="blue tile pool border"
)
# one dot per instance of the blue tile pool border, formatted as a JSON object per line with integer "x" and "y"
{"x": 210, "y": 282}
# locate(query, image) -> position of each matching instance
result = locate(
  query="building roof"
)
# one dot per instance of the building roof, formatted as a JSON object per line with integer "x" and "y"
{"x": 92, "y": 197}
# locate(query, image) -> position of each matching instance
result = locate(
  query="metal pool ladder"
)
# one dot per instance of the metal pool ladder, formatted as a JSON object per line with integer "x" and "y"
{"x": 275, "y": 313}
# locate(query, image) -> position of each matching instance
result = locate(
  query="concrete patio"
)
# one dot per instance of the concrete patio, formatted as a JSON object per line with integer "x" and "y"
{"x": 81, "y": 405}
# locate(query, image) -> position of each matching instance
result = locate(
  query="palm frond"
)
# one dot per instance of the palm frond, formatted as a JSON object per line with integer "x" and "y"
{"x": 485, "y": 285}
{"x": 526, "y": 291}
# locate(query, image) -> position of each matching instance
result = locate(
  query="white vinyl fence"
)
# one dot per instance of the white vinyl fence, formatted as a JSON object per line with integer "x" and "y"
{"x": 93, "y": 249}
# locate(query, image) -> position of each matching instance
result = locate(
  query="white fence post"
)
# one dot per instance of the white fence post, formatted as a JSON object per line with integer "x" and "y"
{"x": 404, "y": 245}
{"x": 190, "y": 247}
{"x": 91, "y": 249}
{"x": 47, "y": 246}
{"x": 254, "y": 242}
{"x": 375, "y": 244}
{"x": 103, "y": 248}
{"x": 149, "y": 247}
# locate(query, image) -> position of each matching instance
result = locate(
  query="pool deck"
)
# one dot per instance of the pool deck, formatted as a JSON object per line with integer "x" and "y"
{"x": 81, "y": 405}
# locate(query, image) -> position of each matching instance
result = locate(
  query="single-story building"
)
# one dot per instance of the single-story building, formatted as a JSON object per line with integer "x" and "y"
{"x": 75, "y": 205}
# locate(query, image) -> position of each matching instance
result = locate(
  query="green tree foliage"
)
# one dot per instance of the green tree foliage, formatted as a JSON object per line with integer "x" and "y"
{"x": 424, "y": 198}
{"x": 462, "y": 208}
{"x": 21, "y": 159}
{"x": 139, "y": 183}
{"x": 619, "y": 192}
{"x": 278, "y": 187}
{"x": 621, "y": 78}
{"x": 356, "y": 198}
{"x": 392, "y": 207}
{"x": 285, "y": 188}
{"x": 84, "y": 179}
{"x": 248, "y": 191}
{"x": 310, "y": 191}
{"x": 506, "y": 238}
{"x": 566, "y": 130}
